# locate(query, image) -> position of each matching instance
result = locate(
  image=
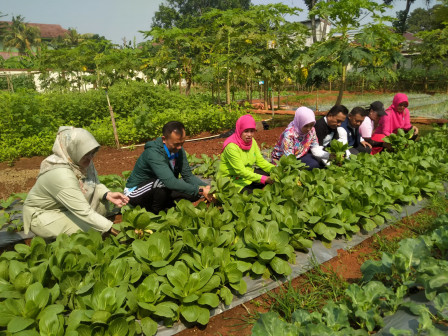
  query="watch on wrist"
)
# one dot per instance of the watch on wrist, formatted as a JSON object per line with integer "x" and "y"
{"x": 201, "y": 190}
{"x": 105, "y": 196}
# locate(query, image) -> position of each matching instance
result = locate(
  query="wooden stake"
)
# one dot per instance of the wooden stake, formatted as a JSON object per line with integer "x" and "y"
{"x": 112, "y": 117}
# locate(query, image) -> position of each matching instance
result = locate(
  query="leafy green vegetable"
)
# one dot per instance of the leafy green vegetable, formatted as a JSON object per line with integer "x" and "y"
{"x": 339, "y": 151}
{"x": 400, "y": 140}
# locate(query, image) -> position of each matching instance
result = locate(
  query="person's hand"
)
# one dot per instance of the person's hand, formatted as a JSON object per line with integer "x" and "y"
{"x": 114, "y": 232}
{"x": 111, "y": 232}
{"x": 366, "y": 144}
{"x": 206, "y": 194}
{"x": 415, "y": 130}
{"x": 117, "y": 198}
{"x": 269, "y": 180}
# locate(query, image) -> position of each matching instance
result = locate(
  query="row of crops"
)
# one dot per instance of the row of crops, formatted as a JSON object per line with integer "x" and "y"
{"x": 419, "y": 264}
{"x": 30, "y": 120}
{"x": 420, "y": 104}
{"x": 180, "y": 264}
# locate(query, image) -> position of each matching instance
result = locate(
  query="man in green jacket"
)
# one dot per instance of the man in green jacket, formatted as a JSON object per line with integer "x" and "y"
{"x": 162, "y": 174}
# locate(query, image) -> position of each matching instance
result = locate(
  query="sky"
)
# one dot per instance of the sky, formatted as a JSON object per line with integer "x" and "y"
{"x": 116, "y": 19}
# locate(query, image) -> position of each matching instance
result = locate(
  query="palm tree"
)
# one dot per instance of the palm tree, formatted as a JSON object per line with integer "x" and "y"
{"x": 73, "y": 38}
{"x": 21, "y": 36}
{"x": 3, "y": 26}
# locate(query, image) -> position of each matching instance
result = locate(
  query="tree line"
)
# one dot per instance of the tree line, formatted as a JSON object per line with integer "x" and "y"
{"x": 225, "y": 46}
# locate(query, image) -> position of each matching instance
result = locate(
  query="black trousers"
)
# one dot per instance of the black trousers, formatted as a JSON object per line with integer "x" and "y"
{"x": 255, "y": 185}
{"x": 155, "y": 197}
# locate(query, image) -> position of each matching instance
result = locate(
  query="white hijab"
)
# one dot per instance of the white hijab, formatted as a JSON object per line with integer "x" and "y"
{"x": 70, "y": 146}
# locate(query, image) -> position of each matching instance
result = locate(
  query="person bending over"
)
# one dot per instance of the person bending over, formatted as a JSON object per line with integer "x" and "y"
{"x": 300, "y": 140}
{"x": 240, "y": 153}
{"x": 370, "y": 123}
{"x": 67, "y": 196}
{"x": 327, "y": 127}
{"x": 397, "y": 116}
{"x": 162, "y": 174}
{"x": 349, "y": 132}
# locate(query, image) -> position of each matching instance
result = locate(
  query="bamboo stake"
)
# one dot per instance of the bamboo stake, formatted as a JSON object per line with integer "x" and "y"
{"x": 112, "y": 117}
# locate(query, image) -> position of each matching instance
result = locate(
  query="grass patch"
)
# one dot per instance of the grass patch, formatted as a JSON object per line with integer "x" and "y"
{"x": 320, "y": 284}
{"x": 315, "y": 288}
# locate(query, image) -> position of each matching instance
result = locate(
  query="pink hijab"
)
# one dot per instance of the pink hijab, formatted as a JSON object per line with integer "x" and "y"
{"x": 394, "y": 120}
{"x": 243, "y": 123}
{"x": 398, "y": 99}
{"x": 303, "y": 117}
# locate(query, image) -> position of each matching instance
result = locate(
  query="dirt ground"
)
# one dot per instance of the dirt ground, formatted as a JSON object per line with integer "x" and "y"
{"x": 347, "y": 265}
{"x": 22, "y": 175}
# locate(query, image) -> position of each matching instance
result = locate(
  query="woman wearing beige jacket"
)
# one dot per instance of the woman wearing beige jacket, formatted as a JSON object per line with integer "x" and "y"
{"x": 67, "y": 196}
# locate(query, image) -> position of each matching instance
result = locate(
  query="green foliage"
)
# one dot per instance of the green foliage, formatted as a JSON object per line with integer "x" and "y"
{"x": 206, "y": 166}
{"x": 115, "y": 182}
{"x": 339, "y": 150}
{"x": 181, "y": 263}
{"x": 400, "y": 140}
{"x": 176, "y": 13}
{"x": 31, "y": 120}
{"x": 17, "y": 82}
{"x": 9, "y": 211}
{"x": 362, "y": 309}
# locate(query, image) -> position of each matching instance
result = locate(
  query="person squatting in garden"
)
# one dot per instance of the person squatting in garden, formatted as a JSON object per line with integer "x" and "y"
{"x": 349, "y": 132}
{"x": 397, "y": 116}
{"x": 67, "y": 196}
{"x": 370, "y": 123}
{"x": 162, "y": 174}
{"x": 327, "y": 127}
{"x": 240, "y": 152}
{"x": 299, "y": 139}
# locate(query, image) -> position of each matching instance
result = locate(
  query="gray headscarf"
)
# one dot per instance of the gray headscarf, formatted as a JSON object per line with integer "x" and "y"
{"x": 70, "y": 146}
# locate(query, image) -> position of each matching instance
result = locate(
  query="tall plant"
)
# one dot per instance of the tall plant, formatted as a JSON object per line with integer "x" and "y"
{"x": 340, "y": 50}
{"x": 21, "y": 36}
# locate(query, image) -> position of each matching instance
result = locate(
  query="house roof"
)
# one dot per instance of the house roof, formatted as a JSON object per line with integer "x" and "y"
{"x": 411, "y": 37}
{"x": 7, "y": 54}
{"x": 47, "y": 31}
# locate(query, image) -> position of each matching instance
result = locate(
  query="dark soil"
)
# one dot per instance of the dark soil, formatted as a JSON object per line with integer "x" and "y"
{"x": 22, "y": 175}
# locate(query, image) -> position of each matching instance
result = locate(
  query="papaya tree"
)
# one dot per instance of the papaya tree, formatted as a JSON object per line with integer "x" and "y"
{"x": 341, "y": 50}
{"x": 182, "y": 49}
{"x": 384, "y": 48}
{"x": 257, "y": 42}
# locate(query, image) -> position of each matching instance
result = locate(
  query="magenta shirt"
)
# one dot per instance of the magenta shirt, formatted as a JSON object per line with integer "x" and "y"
{"x": 394, "y": 120}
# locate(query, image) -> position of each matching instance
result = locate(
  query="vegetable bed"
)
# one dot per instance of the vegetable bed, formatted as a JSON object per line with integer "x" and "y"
{"x": 196, "y": 258}
{"x": 383, "y": 300}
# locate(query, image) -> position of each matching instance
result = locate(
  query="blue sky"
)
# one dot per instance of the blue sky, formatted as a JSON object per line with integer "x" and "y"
{"x": 114, "y": 19}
